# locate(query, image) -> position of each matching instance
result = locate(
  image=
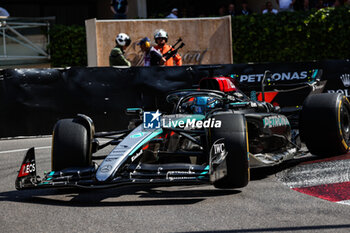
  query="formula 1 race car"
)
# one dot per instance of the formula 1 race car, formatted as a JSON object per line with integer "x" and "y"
{"x": 214, "y": 135}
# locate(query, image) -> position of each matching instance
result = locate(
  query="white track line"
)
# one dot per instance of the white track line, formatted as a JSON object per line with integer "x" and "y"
{"x": 346, "y": 202}
{"x": 20, "y": 150}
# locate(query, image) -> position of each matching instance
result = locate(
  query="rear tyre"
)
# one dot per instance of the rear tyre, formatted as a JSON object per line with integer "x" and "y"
{"x": 325, "y": 124}
{"x": 71, "y": 145}
{"x": 232, "y": 140}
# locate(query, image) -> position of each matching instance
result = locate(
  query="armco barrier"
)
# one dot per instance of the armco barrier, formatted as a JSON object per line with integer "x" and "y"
{"x": 32, "y": 100}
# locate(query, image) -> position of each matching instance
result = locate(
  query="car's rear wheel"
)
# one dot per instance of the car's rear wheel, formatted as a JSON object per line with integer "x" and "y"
{"x": 70, "y": 145}
{"x": 229, "y": 152}
{"x": 325, "y": 124}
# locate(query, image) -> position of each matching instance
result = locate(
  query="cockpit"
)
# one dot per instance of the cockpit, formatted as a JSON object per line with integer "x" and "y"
{"x": 201, "y": 104}
{"x": 213, "y": 93}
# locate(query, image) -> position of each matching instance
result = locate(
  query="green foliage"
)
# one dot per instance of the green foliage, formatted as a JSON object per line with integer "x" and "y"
{"x": 292, "y": 36}
{"x": 285, "y": 37}
{"x": 68, "y": 46}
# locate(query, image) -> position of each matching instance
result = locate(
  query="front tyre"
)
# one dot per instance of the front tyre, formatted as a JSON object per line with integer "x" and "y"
{"x": 70, "y": 145}
{"x": 228, "y": 155}
{"x": 325, "y": 124}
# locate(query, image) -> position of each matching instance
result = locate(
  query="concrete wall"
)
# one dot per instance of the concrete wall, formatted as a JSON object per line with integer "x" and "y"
{"x": 208, "y": 40}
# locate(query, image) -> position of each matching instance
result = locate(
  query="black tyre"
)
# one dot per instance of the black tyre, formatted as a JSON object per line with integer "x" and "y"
{"x": 325, "y": 124}
{"x": 232, "y": 137}
{"x": 70, "y": 145}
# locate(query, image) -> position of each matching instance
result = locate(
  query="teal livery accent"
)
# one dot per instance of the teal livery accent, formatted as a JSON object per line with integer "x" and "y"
{"x": 234, "y": 76}
{"x": 253, "y": 95}
{"x": 137, "y": 135}
{"x": 239, "y": 103}
{"x": 133, "y": 109}
{"x": 44, "y": 183}
{"x": 315, "y": 73}
{"x": 152, "y": 135}
{"x": 204, "y": 173}
{"x": 51, "y": 173}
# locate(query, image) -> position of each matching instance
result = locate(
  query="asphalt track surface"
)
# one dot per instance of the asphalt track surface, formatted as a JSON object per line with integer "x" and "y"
{"x": 265, "y": 205}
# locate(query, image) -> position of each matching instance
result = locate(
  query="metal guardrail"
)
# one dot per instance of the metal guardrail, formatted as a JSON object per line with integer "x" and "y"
{"x": 16, "y": 30}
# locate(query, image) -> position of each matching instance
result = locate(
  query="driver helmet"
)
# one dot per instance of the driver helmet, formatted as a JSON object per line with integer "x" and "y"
{"x": 203, "y": 103}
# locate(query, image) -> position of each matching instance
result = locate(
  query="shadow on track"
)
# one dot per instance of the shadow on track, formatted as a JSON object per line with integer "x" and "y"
{"x": 141, "y": 196}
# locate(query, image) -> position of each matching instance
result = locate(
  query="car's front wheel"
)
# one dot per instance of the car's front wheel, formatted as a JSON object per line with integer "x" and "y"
{"x": 70, "y": 145}
{"x": 229, "y": 152}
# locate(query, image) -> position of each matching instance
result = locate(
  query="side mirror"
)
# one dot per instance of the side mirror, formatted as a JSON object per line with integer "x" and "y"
{"x": 277, "y": 109}
{"x": 171, "y": 99}
{"x": 134, "y": 111}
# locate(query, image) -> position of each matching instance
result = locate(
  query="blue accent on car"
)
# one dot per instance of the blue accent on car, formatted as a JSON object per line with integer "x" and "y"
{"x": 203, "y": 104}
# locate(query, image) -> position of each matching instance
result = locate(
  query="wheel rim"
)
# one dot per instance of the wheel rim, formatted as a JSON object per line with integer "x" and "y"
{"x": 345, "y": 123}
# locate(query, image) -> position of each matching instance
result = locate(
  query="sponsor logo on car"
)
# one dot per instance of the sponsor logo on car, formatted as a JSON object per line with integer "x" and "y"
{"x": 275, "y": 121}
{"x": 219, "y": 148}
{"x": 26, "y": 169}
{"x": 136, "y": 156}
{"x": 106, "y": 168}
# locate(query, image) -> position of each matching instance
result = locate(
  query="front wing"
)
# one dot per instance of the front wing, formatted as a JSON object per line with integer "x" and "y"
{"x": 165, "y": 174}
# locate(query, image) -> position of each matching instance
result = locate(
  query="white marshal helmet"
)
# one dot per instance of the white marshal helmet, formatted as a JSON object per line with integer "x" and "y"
{"x": 122, "y": 39}
{"x": 161, "y": 33}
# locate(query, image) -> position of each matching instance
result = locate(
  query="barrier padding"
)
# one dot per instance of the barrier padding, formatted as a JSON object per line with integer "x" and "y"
{"x": 32, "y": 100}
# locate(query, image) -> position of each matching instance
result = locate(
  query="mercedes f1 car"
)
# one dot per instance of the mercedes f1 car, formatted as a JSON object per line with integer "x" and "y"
{"x": 214, "y": 135}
